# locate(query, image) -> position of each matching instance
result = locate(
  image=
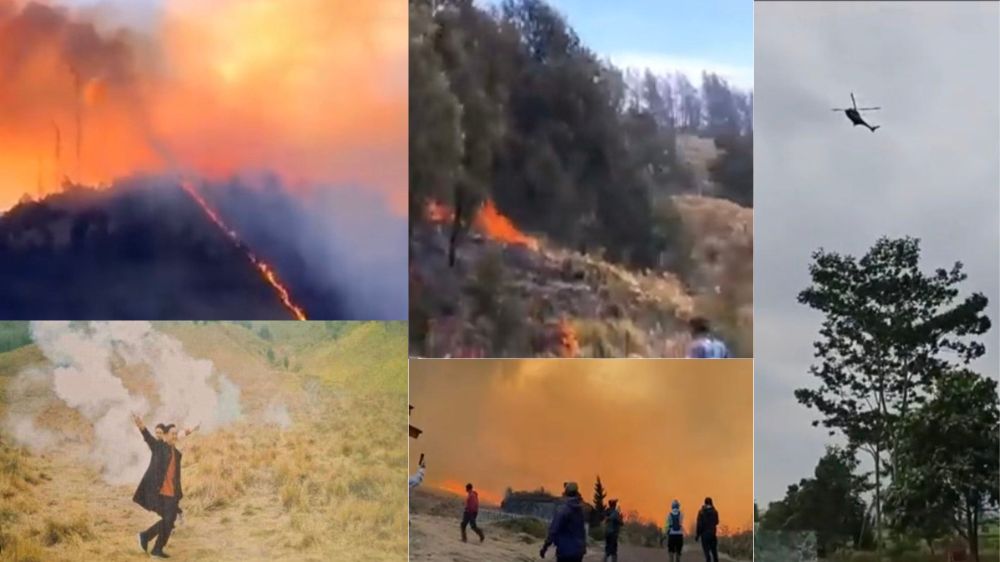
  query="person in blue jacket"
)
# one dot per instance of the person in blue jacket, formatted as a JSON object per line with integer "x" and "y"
{"x": 705, "y": 344}
{"x": 568, "y": 530}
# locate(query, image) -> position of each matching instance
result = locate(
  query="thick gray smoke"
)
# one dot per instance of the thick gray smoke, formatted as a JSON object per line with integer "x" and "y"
{"x": 164, "y": 384}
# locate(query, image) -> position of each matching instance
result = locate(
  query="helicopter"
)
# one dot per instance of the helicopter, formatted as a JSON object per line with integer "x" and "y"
{"x": 854, "y": 114}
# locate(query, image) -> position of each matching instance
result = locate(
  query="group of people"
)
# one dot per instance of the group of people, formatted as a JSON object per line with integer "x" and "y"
{"x": 160, "y": 489}
{"x": 705, "y": 532}
{"x": 568, "y": 531}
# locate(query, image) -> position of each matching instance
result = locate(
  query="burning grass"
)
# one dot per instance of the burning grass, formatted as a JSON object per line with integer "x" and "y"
{"x": 511, "y": 295}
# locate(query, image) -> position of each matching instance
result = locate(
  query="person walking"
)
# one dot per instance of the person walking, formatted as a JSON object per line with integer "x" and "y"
{"x": 471, "y": 512}
{"x": 708, "y": 522}
{"x": 612, "y": 526}
{"x": 568, "y": 530}
{"x": 674, "y": 530}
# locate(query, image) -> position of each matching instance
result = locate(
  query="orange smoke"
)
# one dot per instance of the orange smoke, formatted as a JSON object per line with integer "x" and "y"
{"x": 500, "y": 228}
{"x": 266, "y": 271}
{"x": 458, "y": 488}
{"x": 654, "y": 430}
{"x": 313, "y": 90}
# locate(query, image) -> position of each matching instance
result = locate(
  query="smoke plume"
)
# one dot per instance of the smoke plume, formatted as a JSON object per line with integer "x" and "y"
{"x": 313, "y": 90}
{"x": 105, "y": 371}
{"x": 653, "y": 430}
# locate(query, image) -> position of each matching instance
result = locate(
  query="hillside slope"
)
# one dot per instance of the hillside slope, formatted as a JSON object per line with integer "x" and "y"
{"x": 511, "y": 300}
{"x": 303, "y": 484}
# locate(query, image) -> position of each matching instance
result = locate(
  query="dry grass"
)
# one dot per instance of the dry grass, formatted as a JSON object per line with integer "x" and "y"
{"x": 327, "y": 489}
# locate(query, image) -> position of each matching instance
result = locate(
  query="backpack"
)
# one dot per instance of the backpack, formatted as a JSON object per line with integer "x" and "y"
{"x": 675, "y": 521}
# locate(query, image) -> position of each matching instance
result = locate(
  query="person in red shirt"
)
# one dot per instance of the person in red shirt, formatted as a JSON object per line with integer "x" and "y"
{"x": 160, "y": 490}
{"x": 471, "y": 512}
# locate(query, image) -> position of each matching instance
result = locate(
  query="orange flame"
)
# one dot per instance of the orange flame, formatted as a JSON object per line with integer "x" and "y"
{"x": 458, "y": 488}
{"x": 500, "y": 228}
{"x": 265, "y": 270}
{"x": 437, "y": 213}
{"x": 567, "y": 338}
{"x": 216, "y": 88}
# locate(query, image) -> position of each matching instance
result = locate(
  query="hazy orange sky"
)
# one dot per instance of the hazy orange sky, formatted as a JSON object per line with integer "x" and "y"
{"x": 314, "y": 90}
{"x": 654, "y": 430}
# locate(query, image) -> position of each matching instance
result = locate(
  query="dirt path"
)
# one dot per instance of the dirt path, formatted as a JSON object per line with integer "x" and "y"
{"x": 437, "y": 539}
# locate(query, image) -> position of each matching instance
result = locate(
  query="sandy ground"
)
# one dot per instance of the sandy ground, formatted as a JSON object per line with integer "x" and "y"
{"x": 437, "y": 539}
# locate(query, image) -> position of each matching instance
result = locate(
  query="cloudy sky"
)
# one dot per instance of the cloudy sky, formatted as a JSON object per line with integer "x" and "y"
{"x": 666, "y": 37}
{"x": 931, "y": 171}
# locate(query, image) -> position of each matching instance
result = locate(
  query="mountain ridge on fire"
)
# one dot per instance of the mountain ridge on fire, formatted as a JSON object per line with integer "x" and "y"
{"x": 563, "y": 206}
{"x": 243, "y": 180}
{"x": 144, "y": 249}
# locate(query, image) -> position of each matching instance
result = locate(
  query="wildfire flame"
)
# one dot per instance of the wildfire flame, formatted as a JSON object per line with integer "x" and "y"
{"x": 266, "y": 271}
{"x": 567, "y": 338}
{"x": 438, "y": 213}
{"x": 489, "y": 221}
{"x": 498, "y": 227}
{"x": 216, "y": 88}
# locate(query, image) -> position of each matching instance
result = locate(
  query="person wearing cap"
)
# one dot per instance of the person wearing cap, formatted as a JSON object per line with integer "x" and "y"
{"x": 705, "y": 345}
{"x": 708, "y": 521}
{"x": 568, "y": 530}
{"x": 471, "y": 513}
{"x": 674, "y": 530}
{"x": 612, "y": 525}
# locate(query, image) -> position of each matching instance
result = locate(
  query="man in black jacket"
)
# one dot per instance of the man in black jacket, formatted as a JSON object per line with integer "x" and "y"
{"x": 613, "y": 526}
{"x": 568, "y": 530}
{"x": 160, "y": 489}
{"x": 708, "y": 520}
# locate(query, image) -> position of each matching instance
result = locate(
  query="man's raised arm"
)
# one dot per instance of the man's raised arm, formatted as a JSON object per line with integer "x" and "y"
{"x": 188, "y": 432}
{"x": 150, "y": 440}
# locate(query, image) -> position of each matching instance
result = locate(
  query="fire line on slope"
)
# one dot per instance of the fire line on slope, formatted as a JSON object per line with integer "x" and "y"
{"x": 266, "y": 271}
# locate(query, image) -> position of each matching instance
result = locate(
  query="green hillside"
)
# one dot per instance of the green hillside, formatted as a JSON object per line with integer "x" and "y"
{"x": 360, "y": 356}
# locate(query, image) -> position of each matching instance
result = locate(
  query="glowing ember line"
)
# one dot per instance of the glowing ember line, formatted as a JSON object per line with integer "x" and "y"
{"x": 265, "y": 270}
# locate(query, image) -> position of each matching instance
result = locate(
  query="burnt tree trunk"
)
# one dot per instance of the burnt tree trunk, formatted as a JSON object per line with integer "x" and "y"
{"x": 456, "y": 226}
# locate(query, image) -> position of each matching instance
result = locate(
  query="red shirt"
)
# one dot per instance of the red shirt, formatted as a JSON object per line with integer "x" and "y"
{"x": 168, "y": 482}
{"x": 472, "y": 502}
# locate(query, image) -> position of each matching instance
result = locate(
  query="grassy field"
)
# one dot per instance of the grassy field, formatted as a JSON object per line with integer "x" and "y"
{"x": 325, "y": 486}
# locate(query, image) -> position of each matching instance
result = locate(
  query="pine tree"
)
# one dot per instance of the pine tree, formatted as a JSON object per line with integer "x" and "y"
{"x": 600, "y": 494}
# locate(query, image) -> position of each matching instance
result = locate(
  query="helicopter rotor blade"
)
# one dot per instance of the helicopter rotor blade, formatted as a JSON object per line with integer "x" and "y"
{"x": 854, "y": 103}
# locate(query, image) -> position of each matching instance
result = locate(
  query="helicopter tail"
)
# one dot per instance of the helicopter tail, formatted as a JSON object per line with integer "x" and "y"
{"x": 875, "y": 127}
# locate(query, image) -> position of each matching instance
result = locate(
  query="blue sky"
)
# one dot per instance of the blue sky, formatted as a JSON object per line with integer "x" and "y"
{"x": 668, "y": 35}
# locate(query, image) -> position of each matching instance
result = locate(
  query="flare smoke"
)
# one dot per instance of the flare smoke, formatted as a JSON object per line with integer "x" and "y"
{"x": 88, "y": 366}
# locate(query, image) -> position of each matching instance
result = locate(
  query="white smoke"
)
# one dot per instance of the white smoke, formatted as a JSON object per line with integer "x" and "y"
{"x": 186, "y": 391}
{"x": 277, "y": 414}
{"x": 25, "y": 431}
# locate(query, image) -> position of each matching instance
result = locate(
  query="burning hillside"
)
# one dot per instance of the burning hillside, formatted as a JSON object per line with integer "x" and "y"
{"x": 155, "y": 248}
{"x": 94, "y": 95}
{"x": 513, "y": 294}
